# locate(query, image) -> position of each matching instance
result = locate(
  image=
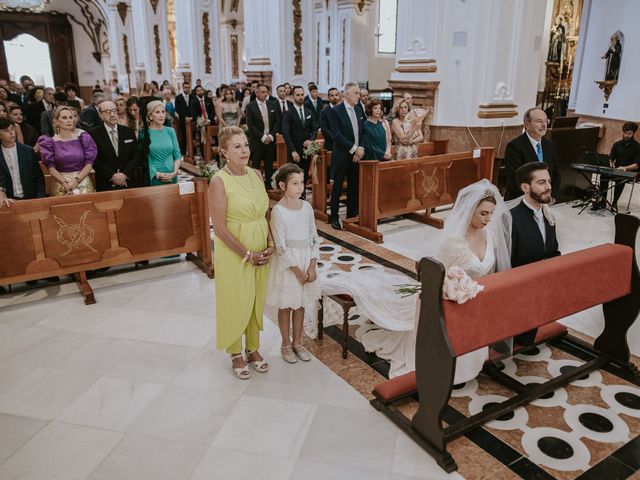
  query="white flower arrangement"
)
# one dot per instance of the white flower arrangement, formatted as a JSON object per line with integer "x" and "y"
{"x": 458, "y": 286}
{"x": 208, "y": 169}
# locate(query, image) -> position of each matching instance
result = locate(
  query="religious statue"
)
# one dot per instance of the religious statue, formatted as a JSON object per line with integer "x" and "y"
{"x": 613, "y": 57}
{"x": 556, "y": 41}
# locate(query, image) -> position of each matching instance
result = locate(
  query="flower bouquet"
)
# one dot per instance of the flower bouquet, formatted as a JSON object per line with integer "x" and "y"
{"x": 458, "y": 286}
{"x": 208, "y": 169}
{"x": 312, "y": 149}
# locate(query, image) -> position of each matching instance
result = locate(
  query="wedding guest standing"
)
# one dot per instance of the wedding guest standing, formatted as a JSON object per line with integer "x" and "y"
{"x": 238, "y": 204}
{"x": 26, "y": 134}
{"x": 406, "y": 133}
{"x": 374, "y": 135}
{"x": 117, "y": 156}
{"x": 262, "y": 124}
{"x": 161, "y": 145}
{"x": 299, "y": 130}
{"x": 68, "y": 155}
{"x": 20, "y": 173}
{"x": 292, "y": 276}
{"x": 133, "y": 115}
{"x": 228, "y": 109}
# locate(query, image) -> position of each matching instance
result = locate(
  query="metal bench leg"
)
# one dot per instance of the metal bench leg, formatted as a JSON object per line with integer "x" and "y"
{"x": 633, "y": 185}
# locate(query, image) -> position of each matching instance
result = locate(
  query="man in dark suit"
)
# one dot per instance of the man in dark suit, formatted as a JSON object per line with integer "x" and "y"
{"x": 284, "y": 105}
{"x": 533, "y": 234}
{"x": 203, "y": 106}
{"x": 46, "y": 119}
{"x": 314, "y": 103}
{"x": 185, "y": 105}
{"x": 35, "y": 110}
{"x": 346, "y": 129}
{"x": 299, "y": 130}
{"x": 531, "y": 147}
{"x": 90, "y": 117}
{"x": 117, "y": 156}
{"x": 262, "y": 123}
{"x": 325, "y": 118}
{"x": 20, "y": 175}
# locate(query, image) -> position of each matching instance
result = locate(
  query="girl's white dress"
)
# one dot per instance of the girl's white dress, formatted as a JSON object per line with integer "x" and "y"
{"x": 296, "y": 239}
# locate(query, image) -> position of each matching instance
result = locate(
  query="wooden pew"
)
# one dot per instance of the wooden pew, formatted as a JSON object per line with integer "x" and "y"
{"x": 188, "y": 154}
{"x": 211, "y": 143}
{"x": 281, "y": 151}
{"x": 606, "y": 274}
{"x": 389, "y": 189}
{"x": 322, "y": 188}
{"x": 73, "y": 234}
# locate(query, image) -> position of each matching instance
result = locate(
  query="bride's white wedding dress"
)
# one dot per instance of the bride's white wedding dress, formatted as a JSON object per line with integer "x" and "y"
{"x": 392, "y": 334}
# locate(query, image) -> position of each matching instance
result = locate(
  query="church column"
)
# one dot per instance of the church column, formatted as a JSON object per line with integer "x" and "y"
{"x": 477, "y": 64}
{"x": 151, "y": 40}
{"x": 120, "y": 42}
{"x": 263, "y": 34}
{"x": 198, "y": 42}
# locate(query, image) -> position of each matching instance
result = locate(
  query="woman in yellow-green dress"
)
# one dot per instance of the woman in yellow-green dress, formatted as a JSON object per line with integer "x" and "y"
{"x": 243, "y": 247}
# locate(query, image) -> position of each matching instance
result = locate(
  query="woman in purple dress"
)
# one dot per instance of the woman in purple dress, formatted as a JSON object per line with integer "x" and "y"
{"x": 68, "y": 155}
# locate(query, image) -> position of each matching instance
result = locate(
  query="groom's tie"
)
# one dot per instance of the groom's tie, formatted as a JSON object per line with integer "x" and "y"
{"x": 539, "y": 151}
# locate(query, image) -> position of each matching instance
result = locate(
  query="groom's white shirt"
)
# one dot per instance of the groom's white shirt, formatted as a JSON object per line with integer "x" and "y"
{"x": 539, "y": 218}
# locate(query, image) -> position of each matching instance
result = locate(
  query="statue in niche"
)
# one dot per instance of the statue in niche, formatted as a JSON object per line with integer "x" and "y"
{"x": 613, "y": 57}
{"x": 557, "y": 41}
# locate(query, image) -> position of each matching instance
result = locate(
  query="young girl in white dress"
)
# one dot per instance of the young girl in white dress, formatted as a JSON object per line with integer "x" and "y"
{"x": 292, "y": 276}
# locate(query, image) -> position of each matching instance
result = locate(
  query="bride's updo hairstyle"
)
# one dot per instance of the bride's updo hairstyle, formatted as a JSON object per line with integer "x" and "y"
{"x": 225, "y": 135}
{"x": 488, "y": 197}
{"x": 285, "y": 172}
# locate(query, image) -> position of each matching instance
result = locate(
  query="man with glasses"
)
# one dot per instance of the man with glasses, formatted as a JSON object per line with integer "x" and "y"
{"x": 117, "y": 151}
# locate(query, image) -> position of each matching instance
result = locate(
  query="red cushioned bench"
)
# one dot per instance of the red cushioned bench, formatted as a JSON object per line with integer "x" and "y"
{"x": 513, "y": 302}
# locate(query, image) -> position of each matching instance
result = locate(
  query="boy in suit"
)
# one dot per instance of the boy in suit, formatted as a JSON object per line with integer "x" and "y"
{"x": 21, "y": 177}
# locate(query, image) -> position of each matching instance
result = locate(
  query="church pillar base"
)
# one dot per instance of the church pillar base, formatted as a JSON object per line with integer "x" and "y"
{"x": 262, "y": 76}
{"x": 424, "y": 93}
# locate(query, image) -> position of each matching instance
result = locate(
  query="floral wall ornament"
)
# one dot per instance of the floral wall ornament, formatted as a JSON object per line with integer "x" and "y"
{"x": 122, "y": 11}
{"x": 297, "y": 37}
{"x": 234, "y": 5}
{"x": 235, "y": 71}
{"x": 154, "y": 5}
{"x": 156, "y": 40}
{"x": 206, "y": 39}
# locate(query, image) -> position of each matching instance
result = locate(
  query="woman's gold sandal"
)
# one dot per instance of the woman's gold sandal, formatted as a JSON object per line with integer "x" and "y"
{"x": 242, "y": 373}
{"x": 259, "y": 366}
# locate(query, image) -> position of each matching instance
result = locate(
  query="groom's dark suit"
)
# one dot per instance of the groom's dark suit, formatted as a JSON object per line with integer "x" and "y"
{"x": 527, "y": 246}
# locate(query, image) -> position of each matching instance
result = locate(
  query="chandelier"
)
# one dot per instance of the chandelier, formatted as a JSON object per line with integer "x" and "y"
{"x": 23, "y": 5}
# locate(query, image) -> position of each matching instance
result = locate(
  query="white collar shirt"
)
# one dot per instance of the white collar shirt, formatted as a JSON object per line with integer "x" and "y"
{"x": 11, "y": 157}
{"x": 538, "y": 216}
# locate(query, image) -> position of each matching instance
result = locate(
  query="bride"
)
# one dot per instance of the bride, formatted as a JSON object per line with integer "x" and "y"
{"x": 475, "y": 238}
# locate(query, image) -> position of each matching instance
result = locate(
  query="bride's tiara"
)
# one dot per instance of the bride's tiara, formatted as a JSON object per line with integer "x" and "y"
{"x": 487, "y": 194}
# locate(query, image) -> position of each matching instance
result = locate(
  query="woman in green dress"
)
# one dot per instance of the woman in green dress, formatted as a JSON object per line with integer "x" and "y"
{"x": 164, "y": 155}
{"x": 374, "y": 135}
{"x": 239, "y": 204}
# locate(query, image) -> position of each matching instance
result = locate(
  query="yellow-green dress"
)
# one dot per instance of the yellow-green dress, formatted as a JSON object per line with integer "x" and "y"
{"x": 241, "y": 287}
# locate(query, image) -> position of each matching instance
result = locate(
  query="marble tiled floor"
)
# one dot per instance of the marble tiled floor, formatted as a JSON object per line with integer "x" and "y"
{"x": 133, "y": 387}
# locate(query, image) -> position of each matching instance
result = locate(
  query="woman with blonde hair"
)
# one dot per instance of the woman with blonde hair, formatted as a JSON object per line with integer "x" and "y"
{"x": 407, "y": 133}
{"x": 68, "y": 155}
{"x": 239, "y": 204}
{"x": 161, "y": 146}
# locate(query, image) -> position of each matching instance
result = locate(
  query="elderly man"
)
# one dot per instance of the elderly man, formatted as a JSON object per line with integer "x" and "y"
{"x": 117, "y": 156}
{"x": 347, "y": 120}
{"x": 531, "y": 147}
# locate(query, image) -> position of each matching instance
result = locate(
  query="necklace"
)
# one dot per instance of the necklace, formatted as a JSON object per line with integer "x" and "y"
{"x": 243, "y": 185}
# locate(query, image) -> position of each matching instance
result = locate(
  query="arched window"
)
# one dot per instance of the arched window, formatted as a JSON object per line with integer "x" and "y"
{"x": 387, "y": 26}
{"x": 26, "y": 55}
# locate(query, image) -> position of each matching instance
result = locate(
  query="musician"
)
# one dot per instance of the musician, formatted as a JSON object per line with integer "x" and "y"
{"x": 625, "y": 156}
{"x": 531, "y": 146}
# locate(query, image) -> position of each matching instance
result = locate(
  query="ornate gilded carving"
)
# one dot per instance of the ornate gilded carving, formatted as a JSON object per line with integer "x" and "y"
{"x": 154, "y": 5}
{"x": 156, "y": 40}
{"x": 235, "y": 70}
{"x": 125, "y": 44}
{"x": 297, "y": 37}
{"x": 344, "y": 43}
{"x": 94, "y": 27}
{"x": 430, "y": 184}
{"x": 76, "y": 235}
{"x": 206, "y": 45}
{"x": 317, "y": 52}
{"x": 234, "y": 5}
{"x": 122, "y": 11}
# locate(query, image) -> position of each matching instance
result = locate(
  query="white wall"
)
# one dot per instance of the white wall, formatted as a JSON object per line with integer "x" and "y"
{"x": 602, "y": 22}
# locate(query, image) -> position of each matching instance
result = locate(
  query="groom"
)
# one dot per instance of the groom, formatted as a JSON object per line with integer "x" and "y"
{"x": 533, "y": 237}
